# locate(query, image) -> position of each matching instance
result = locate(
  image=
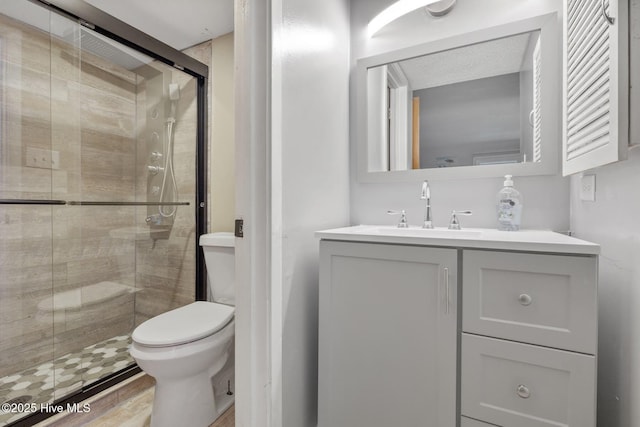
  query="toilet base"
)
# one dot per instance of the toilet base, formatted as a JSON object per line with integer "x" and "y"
{"x": 195, "y": 401}
{"x": 189, "y": 401}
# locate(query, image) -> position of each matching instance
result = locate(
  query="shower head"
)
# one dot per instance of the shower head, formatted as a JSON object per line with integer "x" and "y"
{"x": 174, "y": 91}
{"x": 105, "y": 48}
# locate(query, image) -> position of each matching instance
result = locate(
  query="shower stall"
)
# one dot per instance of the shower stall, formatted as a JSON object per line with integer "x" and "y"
{"x": 101, "y": 199}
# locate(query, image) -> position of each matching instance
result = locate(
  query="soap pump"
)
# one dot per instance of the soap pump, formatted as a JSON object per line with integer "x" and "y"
{"x": 509, "y": 206}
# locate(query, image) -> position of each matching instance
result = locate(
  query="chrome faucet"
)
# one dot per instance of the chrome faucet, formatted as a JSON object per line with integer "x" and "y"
{"x": 426, "y": 195}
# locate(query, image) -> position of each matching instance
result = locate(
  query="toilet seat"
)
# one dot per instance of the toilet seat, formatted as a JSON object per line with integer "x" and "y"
{"x": 184, "y": 324}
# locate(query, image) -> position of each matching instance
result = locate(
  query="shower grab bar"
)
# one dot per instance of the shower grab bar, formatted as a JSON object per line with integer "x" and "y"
{"x": 31, "y": 202}
{"x": 86, "y": 203}
{"x": 91, "y": 203}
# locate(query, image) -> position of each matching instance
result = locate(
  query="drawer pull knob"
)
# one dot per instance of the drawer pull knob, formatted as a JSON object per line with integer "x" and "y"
{"x": 523, "y": 391}
{"x": 525, "y": 299}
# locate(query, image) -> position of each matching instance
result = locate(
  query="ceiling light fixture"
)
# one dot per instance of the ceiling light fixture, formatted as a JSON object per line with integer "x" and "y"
{"x": 440, "y": 8}
{"x": 398, "y": 9}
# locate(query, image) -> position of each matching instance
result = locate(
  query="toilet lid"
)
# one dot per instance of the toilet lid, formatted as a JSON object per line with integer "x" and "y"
{"x": 184, "y": 324}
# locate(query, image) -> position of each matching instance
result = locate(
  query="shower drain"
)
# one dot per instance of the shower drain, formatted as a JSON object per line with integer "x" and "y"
{"x": 20, "y": 400}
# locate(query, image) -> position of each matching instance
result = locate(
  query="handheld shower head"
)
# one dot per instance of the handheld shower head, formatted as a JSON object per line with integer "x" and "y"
{"x": 174, "y": 96}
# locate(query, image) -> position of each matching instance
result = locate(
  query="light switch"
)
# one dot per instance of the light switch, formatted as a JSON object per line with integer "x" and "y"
{"x": 588, "y": 188}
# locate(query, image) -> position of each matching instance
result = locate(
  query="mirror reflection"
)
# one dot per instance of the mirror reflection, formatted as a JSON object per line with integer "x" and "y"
{"x": 474, "y": 105}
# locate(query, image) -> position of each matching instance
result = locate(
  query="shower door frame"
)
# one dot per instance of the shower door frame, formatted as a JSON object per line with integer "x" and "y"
{"x": 109, "y": 26}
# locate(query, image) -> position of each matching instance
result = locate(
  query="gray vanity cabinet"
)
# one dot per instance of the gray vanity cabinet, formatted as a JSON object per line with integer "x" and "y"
{"x": 387, "y": 335}
{"x": 404, "y": 341}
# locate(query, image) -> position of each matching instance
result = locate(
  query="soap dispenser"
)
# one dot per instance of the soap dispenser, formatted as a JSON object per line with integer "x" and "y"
{"x": 509, "y": 206}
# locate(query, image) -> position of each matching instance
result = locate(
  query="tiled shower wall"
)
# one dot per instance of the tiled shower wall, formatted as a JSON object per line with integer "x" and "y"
{"x": 166, "y": 268}
{"x": 90, "y": 112}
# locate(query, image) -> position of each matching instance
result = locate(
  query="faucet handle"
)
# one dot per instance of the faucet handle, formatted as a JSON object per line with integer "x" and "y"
{"x": 454, "y": 224}
{"x": 403, "y": 218}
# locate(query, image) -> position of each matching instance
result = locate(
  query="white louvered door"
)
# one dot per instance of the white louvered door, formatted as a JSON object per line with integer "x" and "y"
{"x": 537, "y": 103}
{"x": 595, "y": 83}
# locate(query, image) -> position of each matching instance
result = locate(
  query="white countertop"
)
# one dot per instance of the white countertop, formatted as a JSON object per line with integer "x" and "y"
{"x": 478, "y": 238}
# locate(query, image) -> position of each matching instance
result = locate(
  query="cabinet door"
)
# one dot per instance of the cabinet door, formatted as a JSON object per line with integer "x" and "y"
{"x": 596, "y": 84}
{"x": 387, "y": 343}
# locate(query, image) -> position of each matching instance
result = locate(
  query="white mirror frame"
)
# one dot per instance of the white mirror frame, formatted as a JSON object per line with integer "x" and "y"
{"x": 550, "y": 101}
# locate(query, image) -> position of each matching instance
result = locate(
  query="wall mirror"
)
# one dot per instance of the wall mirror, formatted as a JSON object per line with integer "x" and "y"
{"x": 481, "y": 104}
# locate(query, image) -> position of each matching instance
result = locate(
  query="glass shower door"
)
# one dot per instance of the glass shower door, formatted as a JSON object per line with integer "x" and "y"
{"x": 26, "y": 233}
{"x": 97, "y": 202}
{"x": 93, "y": 134}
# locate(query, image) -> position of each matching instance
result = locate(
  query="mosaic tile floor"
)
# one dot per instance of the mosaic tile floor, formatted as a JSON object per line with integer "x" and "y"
{"x": 51, "y": 381}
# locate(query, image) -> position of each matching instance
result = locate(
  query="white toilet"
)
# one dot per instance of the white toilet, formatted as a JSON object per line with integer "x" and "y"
{"x": 190, "y": 350}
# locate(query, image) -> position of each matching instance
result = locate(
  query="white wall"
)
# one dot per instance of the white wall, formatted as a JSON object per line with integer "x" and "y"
{"x": 546, "y": 198}
{"x": 612, "y": 221}
{"x": 252, "y": 80}
{"x": 460, "y": 120}
{"x": 310, "y": 185}
{"x": 377, "y": 112}
{"x": 221, "y": 146}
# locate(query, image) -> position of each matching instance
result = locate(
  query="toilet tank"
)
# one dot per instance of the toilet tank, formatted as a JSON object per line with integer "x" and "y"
{"x": 219, "y": 257}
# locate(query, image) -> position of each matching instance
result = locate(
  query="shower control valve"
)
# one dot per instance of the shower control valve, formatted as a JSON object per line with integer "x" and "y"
{"x": 155, "y": 156}
{"x": 153, "y": 170}
{"x": 153, "y": 219}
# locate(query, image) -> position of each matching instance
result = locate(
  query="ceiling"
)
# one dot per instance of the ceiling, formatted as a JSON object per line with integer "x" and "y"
{"x": 178, "y": 23}
{"x": 492, "y": 58}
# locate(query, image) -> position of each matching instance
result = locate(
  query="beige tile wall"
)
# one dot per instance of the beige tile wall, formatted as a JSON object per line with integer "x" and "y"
{"x": 93, "y": 114}
{"x": 222, "y": 147}
{"x": 26, "y": 268}
{"x": 166, "y": 268}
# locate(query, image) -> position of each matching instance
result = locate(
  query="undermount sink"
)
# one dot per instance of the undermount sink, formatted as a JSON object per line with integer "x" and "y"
{"x": 390, "y": 230}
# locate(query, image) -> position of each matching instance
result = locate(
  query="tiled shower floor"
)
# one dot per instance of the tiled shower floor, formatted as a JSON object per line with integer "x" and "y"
{"x": 53, "y": 380}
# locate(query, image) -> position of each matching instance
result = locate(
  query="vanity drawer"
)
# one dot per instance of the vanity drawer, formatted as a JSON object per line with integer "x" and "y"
{"x": 549, "y": 300}
{"x": 520, "y": 385}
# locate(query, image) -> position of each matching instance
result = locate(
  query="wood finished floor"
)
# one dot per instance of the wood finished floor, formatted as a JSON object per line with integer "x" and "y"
{"x": 136, "y": 412}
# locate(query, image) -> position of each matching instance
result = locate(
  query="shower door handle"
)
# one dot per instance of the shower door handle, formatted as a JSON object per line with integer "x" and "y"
{"x": 31, "y": 202}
